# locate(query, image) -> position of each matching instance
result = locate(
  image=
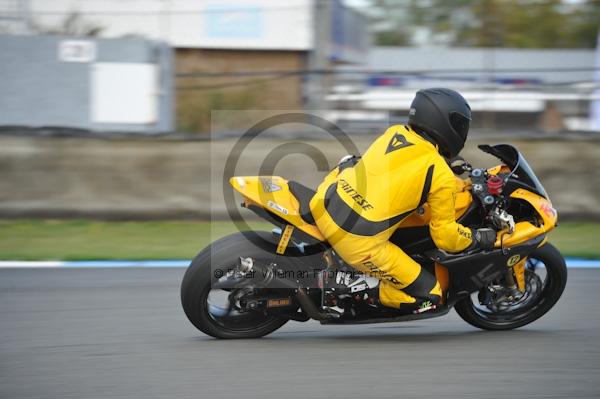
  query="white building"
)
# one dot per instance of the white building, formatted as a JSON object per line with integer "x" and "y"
{"x": 218, "y": 43}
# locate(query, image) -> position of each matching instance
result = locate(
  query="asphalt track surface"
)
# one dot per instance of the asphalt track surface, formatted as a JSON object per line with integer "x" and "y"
{"x": 121, "y": 333}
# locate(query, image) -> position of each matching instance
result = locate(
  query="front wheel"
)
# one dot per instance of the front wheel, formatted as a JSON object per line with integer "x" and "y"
{"x": 545, "y": 277}
{"x": 209, "y": 309}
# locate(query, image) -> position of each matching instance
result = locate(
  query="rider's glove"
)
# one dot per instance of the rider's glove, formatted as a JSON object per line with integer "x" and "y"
{"x": 347, "y": 161}
{"x": 345, "y": 158}
{"x": 459, "y": 165}
{"x": 483, "y": 239}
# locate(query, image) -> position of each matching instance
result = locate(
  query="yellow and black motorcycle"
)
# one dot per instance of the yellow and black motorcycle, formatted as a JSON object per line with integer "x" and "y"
{"x": 250, "y": 283}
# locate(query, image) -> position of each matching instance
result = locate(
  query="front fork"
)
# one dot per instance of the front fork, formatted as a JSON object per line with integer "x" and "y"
{"x": 511, "y": 290}
{"x": 515, "y": 276}
{"x": 518, "y": 270}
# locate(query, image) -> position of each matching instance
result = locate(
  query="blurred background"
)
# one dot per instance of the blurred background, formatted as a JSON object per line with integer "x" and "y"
{"x": 107, "y": 142}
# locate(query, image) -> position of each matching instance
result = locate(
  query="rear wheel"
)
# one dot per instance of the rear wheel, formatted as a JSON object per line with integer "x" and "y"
{"x": 210, "y": 309}
{"x": 545, "y": 280}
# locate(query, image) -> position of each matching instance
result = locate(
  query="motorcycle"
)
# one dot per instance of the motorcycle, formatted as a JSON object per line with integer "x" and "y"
{"x": 249, "y": 284}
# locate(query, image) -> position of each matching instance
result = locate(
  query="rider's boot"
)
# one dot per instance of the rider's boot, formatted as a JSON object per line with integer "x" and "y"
{"x": 352, "y": 284}
{"x": 417, "y": 298}
{"x": 421, "y": 295}
{"x": 426, "y": 291}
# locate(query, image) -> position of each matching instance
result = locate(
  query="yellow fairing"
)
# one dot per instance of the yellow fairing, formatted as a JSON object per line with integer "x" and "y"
{"x": 525, "y": 230}
{"x": 498, "y": 169}
{"x": 273, "y": 194}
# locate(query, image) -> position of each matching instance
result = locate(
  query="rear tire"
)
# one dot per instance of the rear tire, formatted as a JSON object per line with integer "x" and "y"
{"x": 556, "y": 276}
{"x": 196, "y": 286}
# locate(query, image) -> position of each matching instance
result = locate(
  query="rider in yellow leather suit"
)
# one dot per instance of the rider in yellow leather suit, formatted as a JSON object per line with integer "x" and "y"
{"x": 358, "y": 208}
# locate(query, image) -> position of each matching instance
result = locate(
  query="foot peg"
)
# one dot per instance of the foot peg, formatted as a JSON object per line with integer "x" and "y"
{"x": 426, "y": 306}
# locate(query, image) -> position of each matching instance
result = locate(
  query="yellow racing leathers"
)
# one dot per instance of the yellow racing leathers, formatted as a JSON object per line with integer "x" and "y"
{"x": 358, "y": 208}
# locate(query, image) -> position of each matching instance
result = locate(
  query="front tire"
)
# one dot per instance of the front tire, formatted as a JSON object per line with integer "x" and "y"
{"x": 196, "y": 288}
{"x": 552, "y": 288}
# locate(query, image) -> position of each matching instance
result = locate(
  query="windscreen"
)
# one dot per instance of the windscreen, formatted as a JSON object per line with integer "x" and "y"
{"x": 520, "y": 169}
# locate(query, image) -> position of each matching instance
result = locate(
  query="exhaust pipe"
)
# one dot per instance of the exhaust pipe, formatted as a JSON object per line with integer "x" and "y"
{"x": 311, "y": 310}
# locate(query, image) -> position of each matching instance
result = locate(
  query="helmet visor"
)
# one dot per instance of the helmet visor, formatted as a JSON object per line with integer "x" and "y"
{"x": 460, "y": 124}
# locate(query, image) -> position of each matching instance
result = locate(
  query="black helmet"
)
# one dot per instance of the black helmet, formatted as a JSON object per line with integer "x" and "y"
{"x": 443, "y": 116}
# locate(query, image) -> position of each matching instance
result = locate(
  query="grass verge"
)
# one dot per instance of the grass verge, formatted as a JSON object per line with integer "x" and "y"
{"x": 96, "y": 240}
